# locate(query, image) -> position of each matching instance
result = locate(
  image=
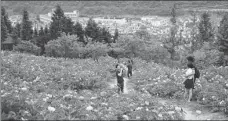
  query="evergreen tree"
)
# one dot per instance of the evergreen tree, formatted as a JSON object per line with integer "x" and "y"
{"x": 35, "y": 33}
{"x": 41, "y": 32}
{"x": 116, "y": 35}
{"x": 68, "y": 25}
{"x": 223, "y": 37}
{"x": 57, "y": 27}
{"x": 194, "y": 35}
{"x": 106, "y": 36}
{"x": 92, "y": 30}
{"x": 18, "y": 29}
{"x": 205, "y": 29}
{"x": 78, "y": 30}
{"x": 7, "y": 22}
{"x": 172, "y": 42}
{"x": 26, "y": 27}
{"x": 46, "y": 30}
{"x": 3, "y": 30}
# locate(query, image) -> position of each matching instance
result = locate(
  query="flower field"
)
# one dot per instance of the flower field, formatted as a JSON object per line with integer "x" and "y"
{"x": 45, "y": 88}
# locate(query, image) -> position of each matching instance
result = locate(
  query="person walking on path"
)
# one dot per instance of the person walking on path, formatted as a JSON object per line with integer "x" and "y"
{"x": 189, "y": 82}
{"x": 129, "y": 66}
{"x": 191, "y": 60}
{"x": 120, "y": 79}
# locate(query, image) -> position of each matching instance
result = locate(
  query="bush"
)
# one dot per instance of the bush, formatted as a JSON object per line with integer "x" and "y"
{"x": 69, "y": 47}
{"x": 206, "y": 56}
{"x": 27, "y": 47}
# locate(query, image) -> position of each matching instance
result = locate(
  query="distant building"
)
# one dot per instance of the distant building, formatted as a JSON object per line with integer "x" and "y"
{"x": 73, "y": 14}
{"x": 8, "y": 44}
{"x": 46, "y": 18}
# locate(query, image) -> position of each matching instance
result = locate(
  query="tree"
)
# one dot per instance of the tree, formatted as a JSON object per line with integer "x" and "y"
{"x": 116, "y": 35}
{"x": 205, "y": 29}
{"x": 68, "y": 26}
{"x": 18, "y": 29}
{"x": 78, "y": 30}
{"x": 194, "y": 35}
{"x": 41, "y": 32}
{"x": 35, "y": 33}
{"x": 92, "y": 30}
{"x": 7, "y": 22}
{"x": 3, "y": 30}
{"x": 106, "y": 36}
{"x": 26, "y": 27}
{"x": 38, "y": 18}
{"x": 223, "y": 37}
{"x": 56, "y": 26}
{"x": 172, "y": 42}
{"x": 46, "y": 31}
{"x": 142, "y": 33}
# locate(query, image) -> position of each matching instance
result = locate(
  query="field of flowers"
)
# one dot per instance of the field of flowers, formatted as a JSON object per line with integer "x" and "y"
{"x": 36, "y": 87}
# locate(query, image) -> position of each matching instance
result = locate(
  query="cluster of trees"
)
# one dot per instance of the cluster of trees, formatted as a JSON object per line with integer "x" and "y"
{"x": 60, "y": 24}
{"x": 203, "y": 36}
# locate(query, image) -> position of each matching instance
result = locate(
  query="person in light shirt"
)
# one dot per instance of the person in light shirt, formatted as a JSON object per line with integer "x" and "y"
{"x": 189, "y": 82}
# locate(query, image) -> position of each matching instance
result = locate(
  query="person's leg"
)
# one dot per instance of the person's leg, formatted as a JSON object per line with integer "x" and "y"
{"x": 190, "y": 95}
{"x": 128, "y": 74}
{"x": 122, "y": 87}
{"x": 185, "y": 93}
{"x": 119, "y": 87}
{"x": 131, "y": 72}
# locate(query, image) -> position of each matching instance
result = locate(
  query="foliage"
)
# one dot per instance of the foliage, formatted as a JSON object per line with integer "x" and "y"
{"x": 6, "y": 21}
{"x": 49, "y": 88}
{"x": 92, "y": 30}
{"x": 41, "y": 31}
{"x": 205, "y": 29}
{"x": 171, "y": 42}
{"x": 116, "y": 35}
{"x": 207, "y": 56}
{"x": 27, "y": 47}
{"x": 3, "y": 30}
{"x": 223, "y": 37}
{"x": 78, "y": 30}
{"x": 26, "y": 27}
{"x": 58, "y": 24}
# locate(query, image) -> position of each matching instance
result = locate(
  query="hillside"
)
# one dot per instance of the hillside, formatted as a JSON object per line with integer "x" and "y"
{"x": 136, "y": 8}
{"x": 37, "y": 87}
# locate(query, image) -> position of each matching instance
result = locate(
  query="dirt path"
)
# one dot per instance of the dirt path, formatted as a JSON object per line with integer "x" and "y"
{"x": 190, "y": 109}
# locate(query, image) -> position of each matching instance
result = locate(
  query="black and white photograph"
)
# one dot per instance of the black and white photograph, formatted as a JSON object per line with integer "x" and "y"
{"x": 114, "y": 60}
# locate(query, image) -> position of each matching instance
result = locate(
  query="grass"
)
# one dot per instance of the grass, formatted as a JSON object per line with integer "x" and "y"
{"x": 36, "y": 87}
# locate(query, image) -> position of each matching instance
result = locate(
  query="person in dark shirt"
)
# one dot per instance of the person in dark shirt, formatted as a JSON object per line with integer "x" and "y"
{"x": 129, "y": 66}
{"x": 120, "y": 80}
{"x": 191, "y": 60}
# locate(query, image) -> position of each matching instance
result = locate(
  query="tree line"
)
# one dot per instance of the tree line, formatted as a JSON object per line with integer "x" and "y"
{"x": 200, "y": 32}
{"x": 60, "y": 24}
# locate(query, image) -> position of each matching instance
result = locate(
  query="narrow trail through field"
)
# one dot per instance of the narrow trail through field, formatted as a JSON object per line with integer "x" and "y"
{"x": 192, "y": 110}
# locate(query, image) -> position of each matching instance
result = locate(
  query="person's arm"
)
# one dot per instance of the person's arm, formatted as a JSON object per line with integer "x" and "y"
{"x": 121, "y": 72}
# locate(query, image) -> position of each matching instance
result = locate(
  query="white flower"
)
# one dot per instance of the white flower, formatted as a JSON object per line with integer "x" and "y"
{"x": 49, "y": 95}
{"x": 24, "y": 88}
{"x": 139, "y": 108}
{"x": 198, "y": 111}
{"x": 89, "y": 108}
{"x": 52, "y": 109}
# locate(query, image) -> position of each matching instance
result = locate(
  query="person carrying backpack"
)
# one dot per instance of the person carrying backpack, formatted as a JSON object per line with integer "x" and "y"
{"x": 191, "y": 60}
{"x": 129, "y": 66}
{"x": 120, "y": 79}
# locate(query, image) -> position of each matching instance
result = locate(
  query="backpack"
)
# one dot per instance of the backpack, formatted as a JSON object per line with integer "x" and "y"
{"x": 197, "y": 73}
